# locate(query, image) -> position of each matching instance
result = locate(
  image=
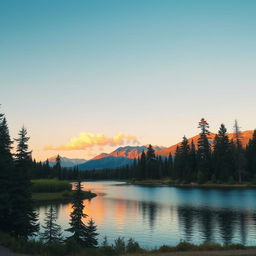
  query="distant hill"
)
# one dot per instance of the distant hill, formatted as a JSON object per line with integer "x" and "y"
{"x": 105, "y": 163}
{"x": 66, "y": 162}
{"x": 125, "y": 155}
{"x": 246, "y": 136}
{"x": 120, "y": 157}
{"x": 130, "y": 152}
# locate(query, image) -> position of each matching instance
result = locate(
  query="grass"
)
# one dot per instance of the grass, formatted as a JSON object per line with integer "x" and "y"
{"x": 119, "y": 247}
{"x": 65, "y": 196}
{"x": 52, "y": 190}
{"x": 50, "y": 185}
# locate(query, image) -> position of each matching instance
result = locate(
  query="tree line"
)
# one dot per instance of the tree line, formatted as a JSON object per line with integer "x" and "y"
{"x": 221, "y": 160}
{"x": 17, "y": 212}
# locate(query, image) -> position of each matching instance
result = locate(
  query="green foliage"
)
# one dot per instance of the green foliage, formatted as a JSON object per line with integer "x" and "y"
{"x": 6, "y": 167}
{"x": 184, "y": 246}
{"x": 24, "y": 218}
{"x": 91, "y": 233}
{"x": 133, "y": 246}
{"x": 50, "y": 185}
{"x": 119, "y": 245}
{"x": 52, "y": 231}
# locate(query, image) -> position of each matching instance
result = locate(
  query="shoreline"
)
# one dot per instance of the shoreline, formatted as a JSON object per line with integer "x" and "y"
{"x": 62, "y": 197}
{"x": 169, "y": 183}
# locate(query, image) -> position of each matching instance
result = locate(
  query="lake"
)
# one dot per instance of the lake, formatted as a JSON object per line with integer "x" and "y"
{"x": 159, "y": 215}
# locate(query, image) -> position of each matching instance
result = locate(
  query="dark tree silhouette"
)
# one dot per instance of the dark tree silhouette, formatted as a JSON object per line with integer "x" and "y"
{"x": 52, "y": 231}
{"x": 24, "y": 218}
{"x": 78, "y": 228}
{"x": 6, "y": 166}
{"x": 91, "y": 240}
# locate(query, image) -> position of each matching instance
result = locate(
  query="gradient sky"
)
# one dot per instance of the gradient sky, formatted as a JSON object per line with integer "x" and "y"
{"x": 149, "y": 69}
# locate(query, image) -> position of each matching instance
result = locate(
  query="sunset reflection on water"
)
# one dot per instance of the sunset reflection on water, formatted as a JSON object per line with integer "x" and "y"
{"x": 165, "y": 215}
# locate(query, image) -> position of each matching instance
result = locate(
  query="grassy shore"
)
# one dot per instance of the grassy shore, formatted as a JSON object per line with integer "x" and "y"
{"x": 168, "y": 182}
{"x": 51, "y": 190}
{"x": 65, "y": 196}
{"x": 120, "y": 247}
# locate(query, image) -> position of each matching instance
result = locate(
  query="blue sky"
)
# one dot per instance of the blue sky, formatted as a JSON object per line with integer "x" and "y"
{"x": 149, "y": 69}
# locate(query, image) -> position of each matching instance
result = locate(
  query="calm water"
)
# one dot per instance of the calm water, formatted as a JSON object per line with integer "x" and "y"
{"x": 154, "y": 216}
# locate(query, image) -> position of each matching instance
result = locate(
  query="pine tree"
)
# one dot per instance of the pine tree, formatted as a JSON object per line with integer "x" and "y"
{"x": 222, "y": 156}
{"x": 193, "y": 162}
{"x": 91, "y": 240}
{"x": 239, "y": 158}
{"x": 251, "y": 157}
{"x": 204, "y": 153}
{"x": 52, "y": 231}
{"x": 151, "y": 167}
{"x": 6, "y": 166}
{"x": 170, "y": 165}
{"x": 142, "y": 165}
{"x": 24, "y": 218}
{"x": 78, "y": 228}
{"x": 57, "y": 167}
{"x": 184, "y": 171}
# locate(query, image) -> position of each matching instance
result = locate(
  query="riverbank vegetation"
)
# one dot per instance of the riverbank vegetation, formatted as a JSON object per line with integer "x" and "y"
{"x": 50, "y": 186}
{"x": 119, "y": 247}
{"x": 18, "y": 218}
{"x": 52, "y": 190}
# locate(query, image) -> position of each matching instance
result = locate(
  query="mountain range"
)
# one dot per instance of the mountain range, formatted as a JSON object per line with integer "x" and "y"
{"x": 125, "y": 155}
{"x": 66, "y": 162}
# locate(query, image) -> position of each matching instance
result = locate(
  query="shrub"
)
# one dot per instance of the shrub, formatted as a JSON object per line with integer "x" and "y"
{"x": 210, "y": 246}
{"x": 165, "y": 248}
{"x": 236, "y": 246}
{"x": 184, "y": 246}
{"x": 119, "y": 245}
{"x": 133, "y": 246}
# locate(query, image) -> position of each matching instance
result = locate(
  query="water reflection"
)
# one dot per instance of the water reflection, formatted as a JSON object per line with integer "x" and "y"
{"x": 164, "y": 215}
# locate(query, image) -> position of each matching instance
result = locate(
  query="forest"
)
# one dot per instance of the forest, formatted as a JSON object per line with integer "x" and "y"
{"x": 203, "y": 161}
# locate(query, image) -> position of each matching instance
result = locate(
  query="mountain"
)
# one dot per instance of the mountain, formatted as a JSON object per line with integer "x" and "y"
{"x": 66, "y": 162}
{"x": 130, "y": 152}
{"x": 120, "y": 157}
{"x": 125, "y": 155}
{"x": 105, "y": 163}
{"x": 245, "y": 137}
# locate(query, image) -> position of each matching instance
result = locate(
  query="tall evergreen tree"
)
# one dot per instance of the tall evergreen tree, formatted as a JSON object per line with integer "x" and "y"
{"x": 151, "y": 166}
{"x": 24, "y": 218}
{"x": 142, "y": 165}
{"x": 78, "y": 228}
{"x": 57, "y": 167}
{"x": 251, "y": 157}
{"x": 92, "y": 234}
{"x": 222, "y": 156}
{"x": 184, "y": 171}
{"x": 6, "y": 165}
{"x": 239, "y": 157}
{"x": 52, "y": 231}
{"x": 204, "y": 152}
{"x": 170, "y": 165}
{"x": 193, "y": 162}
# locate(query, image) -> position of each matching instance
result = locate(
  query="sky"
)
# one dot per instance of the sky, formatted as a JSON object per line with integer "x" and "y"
{"x": 87, "y": 76}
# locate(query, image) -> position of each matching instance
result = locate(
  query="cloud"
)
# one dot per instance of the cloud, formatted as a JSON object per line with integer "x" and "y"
{"x": 88, "y": 140}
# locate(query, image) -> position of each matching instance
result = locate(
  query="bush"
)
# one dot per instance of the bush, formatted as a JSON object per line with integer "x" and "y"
{"x": 236, "y": 246}
{"x": 184, "y": 246}
{"x": 133, "y": 246}
{"x": 165, "y": 248}
{"x": 46, "y": 186}
{"x": 119, "y": 245}
{"x": 210, "y": 246}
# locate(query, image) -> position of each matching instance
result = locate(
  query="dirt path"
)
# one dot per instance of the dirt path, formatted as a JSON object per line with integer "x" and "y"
{"x": 7, "y": 252}
{"x": 248, "y": 252}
